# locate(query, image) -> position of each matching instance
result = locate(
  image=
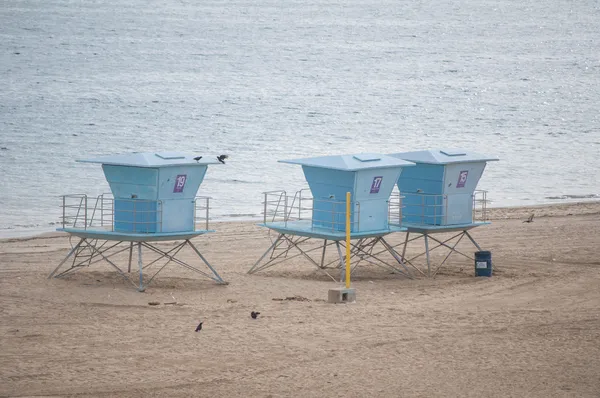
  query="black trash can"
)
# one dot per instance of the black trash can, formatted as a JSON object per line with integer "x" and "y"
{"x": 483, "y": 263}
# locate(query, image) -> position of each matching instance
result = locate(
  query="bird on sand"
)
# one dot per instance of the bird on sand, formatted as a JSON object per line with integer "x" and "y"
{"x": 254, "y": 314}
{"x": 221, "y": 158}
{"x": 530, "y": 219}
{"x": 199, "y": 327}
{"x": 197, "y": 158}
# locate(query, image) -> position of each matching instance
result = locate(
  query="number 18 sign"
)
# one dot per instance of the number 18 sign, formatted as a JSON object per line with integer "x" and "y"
{"x": 376, "y": 184}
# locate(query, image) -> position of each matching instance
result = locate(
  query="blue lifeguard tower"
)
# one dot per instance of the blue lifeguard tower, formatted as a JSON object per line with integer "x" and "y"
{"x": 153, "y": 198}
{"x": 439, "y": 195}
{"x": 321, "y": 215}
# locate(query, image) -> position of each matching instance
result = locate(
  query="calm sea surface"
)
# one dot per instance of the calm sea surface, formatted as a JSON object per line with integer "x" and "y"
{"x": 269, "y": 80}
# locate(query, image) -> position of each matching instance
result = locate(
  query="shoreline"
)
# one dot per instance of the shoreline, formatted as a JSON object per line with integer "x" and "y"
{"x": 493, "y": 214}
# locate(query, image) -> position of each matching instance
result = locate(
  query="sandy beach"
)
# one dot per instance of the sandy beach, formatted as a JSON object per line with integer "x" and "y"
{"x": 532, "y": 330}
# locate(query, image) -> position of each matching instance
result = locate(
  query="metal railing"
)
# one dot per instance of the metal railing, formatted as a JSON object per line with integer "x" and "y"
{"x": 78, "y": 212}
{"x": 432, "y": 209}
{"x": 480, "y": 202}
{"x": 300, "y": 207}
{"x": 279, "y": 207}
{"x": 138, "y": 215}
{"x": 74, "y": 210}
{"x": 132, "y": 215}
{"x": 275, "y": 206}
{"x": 201, "y": 211}
{"x": 323, "y": 213}
{"x": 425, "y": 209}
{"x": 395, "y": 208}
{"x": 103, "y": 212}
{"x": 331, "y": 214}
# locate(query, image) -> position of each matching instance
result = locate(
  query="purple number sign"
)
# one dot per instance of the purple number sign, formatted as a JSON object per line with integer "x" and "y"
{"x": 462, "y": 179}
{"x": 376, "y": 184}
{"x": 179, "y": 183}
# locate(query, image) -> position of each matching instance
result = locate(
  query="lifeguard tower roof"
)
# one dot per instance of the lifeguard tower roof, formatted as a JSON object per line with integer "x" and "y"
{"x": 149, "y": 159}
{"x": 362, "y": 161}
{"x": 444, "y": 156}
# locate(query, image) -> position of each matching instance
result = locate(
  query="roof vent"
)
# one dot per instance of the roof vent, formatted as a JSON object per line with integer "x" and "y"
{"x": 453, "y": 153}
{"x": 367, "y": 157}
{"x": 170, "y": 155}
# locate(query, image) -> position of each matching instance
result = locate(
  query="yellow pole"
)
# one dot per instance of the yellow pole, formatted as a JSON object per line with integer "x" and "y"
{"x": 347, "y": 240}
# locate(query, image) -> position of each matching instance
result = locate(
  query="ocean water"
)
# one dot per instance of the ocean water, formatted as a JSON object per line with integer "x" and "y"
{"x": 269, "y": 80}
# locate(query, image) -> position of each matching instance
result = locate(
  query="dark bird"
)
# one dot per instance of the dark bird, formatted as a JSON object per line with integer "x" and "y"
{"x": 530, "y": 219}
{"x": 199, "y": 327}
{"x": 254, "y": 314}
{"x": 197, "y": 158}
{"x": 221, "y": 158}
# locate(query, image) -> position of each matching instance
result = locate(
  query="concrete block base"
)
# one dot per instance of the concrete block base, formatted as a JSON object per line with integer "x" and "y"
{"x": 341, "y": 295}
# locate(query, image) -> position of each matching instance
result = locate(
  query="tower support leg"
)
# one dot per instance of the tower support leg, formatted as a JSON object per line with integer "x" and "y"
{"x": 141, "y": 267}
{"x": 73, "y": 250}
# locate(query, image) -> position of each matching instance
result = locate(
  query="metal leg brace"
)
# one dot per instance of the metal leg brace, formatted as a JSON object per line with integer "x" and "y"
{"x": 362, "y": 250}
{"x": 100, "y": 252}
{"x": 431, "y": 271}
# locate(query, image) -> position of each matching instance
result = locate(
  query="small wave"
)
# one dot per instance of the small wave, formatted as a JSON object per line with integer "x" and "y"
{"x": 315, "y": 114}
{"x": 237, "y": 215}
{"x": 210, "y": 55}
{"x": 88, "y": 99}
{"x": 235, "y": 181}
{"x": 29, "y": 226}
{"x": 565, "y": 197}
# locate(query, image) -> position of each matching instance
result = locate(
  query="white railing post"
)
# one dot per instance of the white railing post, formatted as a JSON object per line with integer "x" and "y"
{"x": 357, "y": 216}
{"x": 63, "y": 206}
{"x": 445, "y": 209}
{"x": 112, "y": 216}
{"x": 333, "y": 216}
{"x": 207, "y": 209}
{"x": 422, "y": 209}
{"x": 195, "y": 202}
{"x": 300, "y": 205}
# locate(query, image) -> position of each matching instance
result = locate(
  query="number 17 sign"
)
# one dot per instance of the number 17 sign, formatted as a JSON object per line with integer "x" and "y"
{"x": 376, "y": 184}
